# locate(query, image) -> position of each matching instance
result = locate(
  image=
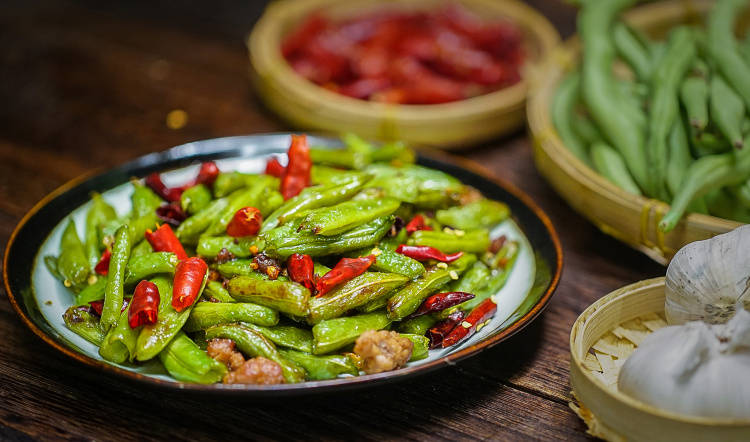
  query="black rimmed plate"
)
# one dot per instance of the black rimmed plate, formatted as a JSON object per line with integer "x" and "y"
{"x": 40, "y": 299}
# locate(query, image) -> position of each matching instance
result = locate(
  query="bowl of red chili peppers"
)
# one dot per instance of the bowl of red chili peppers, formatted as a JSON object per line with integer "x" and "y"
{"x": 447, "y": 74}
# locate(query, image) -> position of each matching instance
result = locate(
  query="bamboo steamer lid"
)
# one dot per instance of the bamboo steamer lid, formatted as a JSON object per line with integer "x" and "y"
{"x": 450, "y": 125}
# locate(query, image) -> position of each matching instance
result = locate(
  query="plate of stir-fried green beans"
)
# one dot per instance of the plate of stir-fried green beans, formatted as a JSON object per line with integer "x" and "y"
{"x": 280, "y": 263}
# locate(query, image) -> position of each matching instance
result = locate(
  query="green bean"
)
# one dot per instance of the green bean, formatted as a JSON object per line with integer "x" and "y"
{"x": 194, "y": 199}
{"x": 358, "y": 291}
{"x": 423, "y": 187}
{"x": 668, "y": 74}
{"x": 723, "y": 204}
{"x": 141, "y": 249}
{"x": 137, "y": 227}
{"x": 472, "y": 241}
{"x": 345, "y": 158}
{"x": 391, "y": 262}
{"x": 563, "y": 108}
{"x": 191, "y": 229}
{"x": 333, "y": 334}
{"x": 253, "y": 344}
{"x": 620, "y": 126}
{"x": 475, "y": 215}
{"x": 270, "y": 201}
{"x": 500, "y": 275}
{"x": 115, "y": 289}
{"x": 611, "y": 166}
{"x": 208, "y": 314}
{"x": 420, "y": 348}
{"x": 284, "y": 296}
{"x": 210, "y": 247}
{"x": 241, "y": 198}
{"x": 119, "y": 342}
{"x": 143, "y": 266}
{"x": 228, "y": 182}
{"x": 321, "y": 368}
{"x": 236, "y": 267}
{"x": 707, "y": 143}
{"x": 679, "y": 156}
{"x": 72, "y": 263}
{"x": 585, "y": 129}
{"x": 283, "y": 241}
{"x": 50, "y": 262}
{"x": 84, "y": 324}
{"x": 215, "y": 290}
{"x": 186, "y": 362}
{"x": 328, "y": 176}
{"x": 727, "y": 111}
{"x": 144, "y": 200}
{"x": 418, "y": 325}
{"x": 314, "y": 198}
{"x": 344, "y": 216}
{"x": 407, "y": 300}
{"x": 99, "y": 213}
{"x": 395, "y": 152}
{"x": 631, "y": 49}
{"x": 745, "y": 47}
{"x": 286, "y": 336}
{"x": 92, "y": 292}
{"x": 694, "y": 96}
{"x": 723, "y": 48}
{"x": 472, "y": 280}
{"x": 374, "y": 305}
{"x": 391, "y": 243}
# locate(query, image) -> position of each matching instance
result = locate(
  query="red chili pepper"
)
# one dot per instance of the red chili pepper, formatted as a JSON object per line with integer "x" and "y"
{"x": 417, "y": 223}
{"x": 346, "y": 269}
{"x": 102, "y": 267}
{"x": 274, "y": 168}
{"x": 424, "y": 253}
{"x": 468, "y": 326}
{"x": 188, "y": 279}
{"x": 97, "y": 306}
{"x": 439, "y": 331}
{"x": 301, "y": 270}
{"x": 297, "y": 175}
{"x": 171, "y": 214}
{"x": 245, "y": 222}
{"x": 441, "y": 301}
{"x": 164, "y": 240}
{"x": 157, "y": 185}
{"x": 144, "y": 306}
{"x": 207, "y": 174}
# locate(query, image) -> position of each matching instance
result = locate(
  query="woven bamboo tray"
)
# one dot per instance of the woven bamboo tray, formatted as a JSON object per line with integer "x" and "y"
{"x": 630, "y": 218}
{"x": 600, "y": 341}
{"x": 451, "y": 125}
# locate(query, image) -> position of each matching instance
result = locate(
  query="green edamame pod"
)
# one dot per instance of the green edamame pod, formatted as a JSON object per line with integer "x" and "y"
{"x": 92, "y": 292}
{"x": 391, "y": 262}
{"x": 722, "y": 46}
{"x": 407, "y": 300}
{"x": 144, "y": 200}
{"x": 115, "y": 288}
{"x": 333, "y": 334}
{"x": 694, "y": 96}
{"x": 475, "y": 215}
{"x": 208, "y": 314}
{"x": 418, "y": 325}
{"x": 320, "y": 368}
{"x": 563, "y": 108}
{"x": 191, "y": 229}
{"x": 611, "y": 166}
{"x": 211, "y": 246}
{"x": 421, "y": 347}
{"x": 72, "y": 263}
{"x": 216, "y": 290}
{"x": 84, "y": 324}
{"x": 144, "y": 266}
{"x": 471, "y": 241}
{"x": 631, "y": 49}
{"x": 252, "y": 344}
{"x": 51, "y": 263}
{"x": 194, "y": 199}
{"x": 361, "y": 290}
{"x": 119, "y": 342}
{"x": 727, "y": 111}
{"x": 284, "y": 296}
{"x": 286, "y": 336}
{"x": 186, "y": 362}
{"x": 99, "y": 213}
{"x": 344, "y": 216}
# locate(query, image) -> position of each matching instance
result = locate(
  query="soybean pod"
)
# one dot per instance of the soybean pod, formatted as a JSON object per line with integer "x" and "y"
{"x": 115, "y": 288}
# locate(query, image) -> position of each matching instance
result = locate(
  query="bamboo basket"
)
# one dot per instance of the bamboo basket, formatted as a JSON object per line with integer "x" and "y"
{"x": 615, "y": 416}
{"x": 630, "y": 218}
{"x": 449, "y": 125}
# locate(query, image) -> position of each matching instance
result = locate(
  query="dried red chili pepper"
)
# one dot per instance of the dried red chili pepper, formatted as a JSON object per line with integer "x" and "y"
{"x": 497, "y": 244}
{"x": 424, "y": 253}
{"x": 164, "y": 240}
{"x": 144, "y": 306}
{"x": 302, "y": 35}
{"x": 441, "y": 301}
{"x": 245, "y": 222}
{"x": 102, "y": 267}
{"x": 439, "y": 331}
{"x": 468, "y": 326}
{"x": 301, "y": 270}
{"x": 265, "y": 264}
{"x": 297, "y": 175}
{"x": 171, "y": 214}
{"x": 274, "y": 168}
{"x": 207, "y": 174}
{"x": 416, "y": 223}
{"x": 154, "y": 182}
{"x": 188, "y": 280}
{"x": 97, "y": 306}
{"x": 345, "y": 269}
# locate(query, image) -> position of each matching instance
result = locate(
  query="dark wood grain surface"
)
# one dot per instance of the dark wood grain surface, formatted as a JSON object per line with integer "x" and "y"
{"x": 88, "y": 84}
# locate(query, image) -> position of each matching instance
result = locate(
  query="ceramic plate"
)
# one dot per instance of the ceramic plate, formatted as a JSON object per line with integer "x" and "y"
{"x": 40, "y": 299}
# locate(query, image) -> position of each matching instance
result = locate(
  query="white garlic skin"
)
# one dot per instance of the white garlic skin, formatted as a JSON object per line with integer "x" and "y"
{"x": 694, "y": 369}
{"x": 706, "y": 278}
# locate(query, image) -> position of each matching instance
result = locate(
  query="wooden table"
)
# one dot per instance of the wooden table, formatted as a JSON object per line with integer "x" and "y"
{"x": 85, "y": 85}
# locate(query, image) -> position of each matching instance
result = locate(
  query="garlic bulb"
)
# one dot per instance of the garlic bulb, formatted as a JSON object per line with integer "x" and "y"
{"x": 695, "y": 369}
{"x": 706, "y": 278}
